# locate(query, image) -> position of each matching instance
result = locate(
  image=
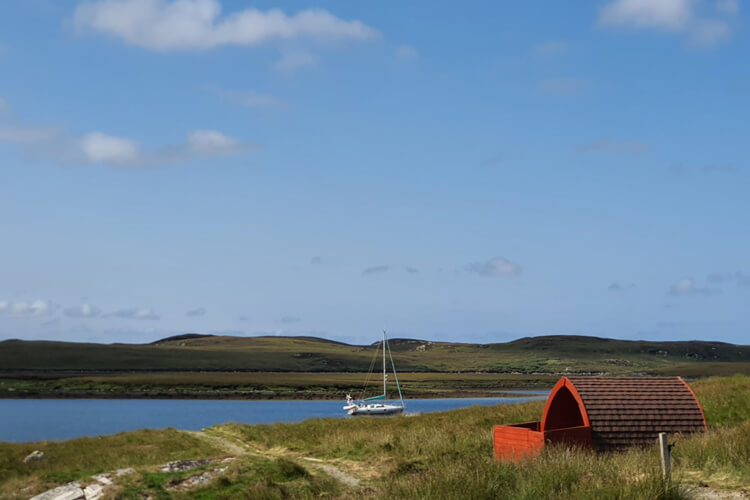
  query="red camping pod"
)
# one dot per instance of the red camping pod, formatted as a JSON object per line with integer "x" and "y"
{"x": 604, "y": 414}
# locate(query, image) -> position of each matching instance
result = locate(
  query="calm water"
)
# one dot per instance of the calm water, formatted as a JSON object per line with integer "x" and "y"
{"x": 57, "y": 419}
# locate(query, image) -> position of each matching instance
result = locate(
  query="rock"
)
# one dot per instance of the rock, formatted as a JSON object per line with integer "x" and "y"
{"x": 124, "y": 472}
{"x": 70, "y": 491}
{"x": 93, "y": 491}
{"x": 197, "y": 480}
{"x": 33, "y": 456}
{"x": 104, "y": 479}
{"x": 182, "y": 465}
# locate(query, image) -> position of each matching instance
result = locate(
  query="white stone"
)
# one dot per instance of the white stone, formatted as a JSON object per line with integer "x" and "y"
{"x": 93, "y": 491}
{"x": 124, "y": 472}
{"x": 34, "y": 455}
{"x": 70, "y": 491}
{"x": 104, "y": 479}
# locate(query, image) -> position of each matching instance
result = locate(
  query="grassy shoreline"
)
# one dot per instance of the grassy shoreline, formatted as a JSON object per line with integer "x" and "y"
{"x": 442, "y": 455}
{"x": 257, "y": 385}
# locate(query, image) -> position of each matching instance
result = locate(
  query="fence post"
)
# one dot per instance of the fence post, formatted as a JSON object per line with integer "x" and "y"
{"x": 666, "y": 456}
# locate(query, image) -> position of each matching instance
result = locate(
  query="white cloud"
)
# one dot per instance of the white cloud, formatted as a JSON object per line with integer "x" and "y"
{"x": 406, "y": 52}
{"x": 496, "y": 266}
{"x": 198, "y": 311}
{"x": 198, "y": 24}
{"x": 665, "y": 14}
{"x": 98, "y": 147}
{"x": 134, "y": 313}
{"x": 686, "y": 286}
{"x": 676, "y": 16}
{"x": 618, "y": 147}
{"x": 375, "y": 270}
{"x": 293, "y": 60}
{"x": 82, "y": 311}
{"x": 617, "y": 287}
{"x": 212, "y": 142}
{"x": 550, "y": 48}
{"x": 739, "y": 278}
{"x": 27, "y": 308}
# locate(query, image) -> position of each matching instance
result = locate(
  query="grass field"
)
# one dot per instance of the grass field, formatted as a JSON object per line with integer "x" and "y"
{"x": 259, "y": 385}
{"x": 551, "y": 355}
{"x": 439, "y": 456}
{"x": 310, "y": 368}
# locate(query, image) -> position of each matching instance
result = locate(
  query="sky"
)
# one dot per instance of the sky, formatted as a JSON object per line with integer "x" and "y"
{"x": 477, "y": 172}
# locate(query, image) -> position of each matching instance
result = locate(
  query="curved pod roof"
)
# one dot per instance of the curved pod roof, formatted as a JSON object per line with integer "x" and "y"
{"x": 623, "y": 412}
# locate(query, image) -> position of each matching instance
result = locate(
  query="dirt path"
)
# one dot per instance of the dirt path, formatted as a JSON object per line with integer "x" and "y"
{"x": 237, "y": 447}
{"x": 333, "y": 471}
{"x": 222, "y": 441}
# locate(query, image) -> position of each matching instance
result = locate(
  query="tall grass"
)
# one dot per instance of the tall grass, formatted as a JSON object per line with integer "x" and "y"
{"x": 725, "y": 400}
{"x": 444, "y": 455}
{"x": 449, "y": 455}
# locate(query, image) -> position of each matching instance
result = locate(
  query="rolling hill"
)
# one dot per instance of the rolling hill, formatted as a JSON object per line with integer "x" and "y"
{"x": 546, "y": 354}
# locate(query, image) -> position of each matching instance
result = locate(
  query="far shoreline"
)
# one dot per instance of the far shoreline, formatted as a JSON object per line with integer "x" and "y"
{"x": 291, "y": 396}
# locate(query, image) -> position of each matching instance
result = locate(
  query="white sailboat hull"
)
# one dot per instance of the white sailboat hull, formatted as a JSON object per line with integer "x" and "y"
{"x": 374, "y": 409}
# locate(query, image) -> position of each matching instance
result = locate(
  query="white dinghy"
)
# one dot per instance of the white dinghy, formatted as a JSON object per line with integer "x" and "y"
{"x": 378, "y": 405}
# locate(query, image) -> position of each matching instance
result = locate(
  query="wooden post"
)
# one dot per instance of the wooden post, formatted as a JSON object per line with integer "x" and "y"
{"x": 666, "y": 456}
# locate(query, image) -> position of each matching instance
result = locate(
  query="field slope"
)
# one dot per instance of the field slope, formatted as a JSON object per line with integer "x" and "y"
{"x": 549, "y": 354}
{"x": 444, "y": 455}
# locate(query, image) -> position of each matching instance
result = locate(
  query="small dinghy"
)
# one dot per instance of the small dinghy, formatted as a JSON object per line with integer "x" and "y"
{"x": 378, "y": 405}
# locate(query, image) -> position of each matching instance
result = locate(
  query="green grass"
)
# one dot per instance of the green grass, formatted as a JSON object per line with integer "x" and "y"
{"x": 725, "y": 400}
{"x": 66, "y": 461}
{"x": 258, "y": 384}
{"x": 444, "y": 455}
{"x": 449, "y": 455}
{"x": 551, "y": 354}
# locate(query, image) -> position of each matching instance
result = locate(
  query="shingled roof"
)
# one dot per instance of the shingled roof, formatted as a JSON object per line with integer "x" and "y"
{"x": 624, "y": 412}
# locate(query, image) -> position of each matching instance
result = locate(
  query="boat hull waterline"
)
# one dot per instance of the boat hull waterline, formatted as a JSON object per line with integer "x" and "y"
{"x": 377, "y": 409}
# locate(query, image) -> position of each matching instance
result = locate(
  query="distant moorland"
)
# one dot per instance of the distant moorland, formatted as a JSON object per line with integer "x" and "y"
{"x": 205, "y": 366}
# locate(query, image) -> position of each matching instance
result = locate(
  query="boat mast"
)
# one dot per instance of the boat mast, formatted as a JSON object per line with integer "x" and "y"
{"x": 384, "y": 375}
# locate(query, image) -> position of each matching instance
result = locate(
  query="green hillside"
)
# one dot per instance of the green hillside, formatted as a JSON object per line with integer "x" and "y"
{"x": 533, "y": 355}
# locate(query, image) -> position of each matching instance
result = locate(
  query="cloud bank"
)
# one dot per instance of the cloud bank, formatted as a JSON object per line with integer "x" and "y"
{"x": 82, "y": 311}
{"x": 496, "y": 266}
{"x": 673, "y": 16}
{"x": 20, "y": 309}
{"x": 375, "y": 270}
{"x": 199, "y": 24}
{"x": 135, "y": 313}
{"x": 100, "y": 148}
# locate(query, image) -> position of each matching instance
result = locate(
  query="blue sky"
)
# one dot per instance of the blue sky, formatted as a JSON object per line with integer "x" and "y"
{"x": 475, "y": 173}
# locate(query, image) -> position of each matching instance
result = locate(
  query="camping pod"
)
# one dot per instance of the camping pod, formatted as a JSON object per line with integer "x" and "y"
{"x": 604, "y": 414}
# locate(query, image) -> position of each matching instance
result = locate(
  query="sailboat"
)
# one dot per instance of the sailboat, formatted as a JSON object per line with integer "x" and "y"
{"x": 378, "y": 405}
